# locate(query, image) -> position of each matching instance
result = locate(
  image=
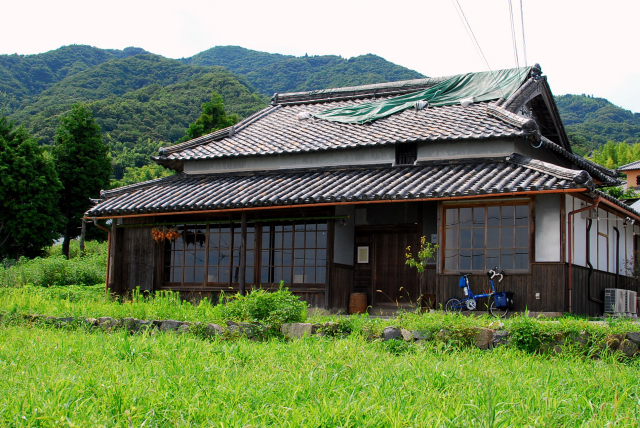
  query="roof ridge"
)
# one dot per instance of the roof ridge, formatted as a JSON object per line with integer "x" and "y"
{"x": 601, "y": 173}
{"x": 578, "y": 176}
{"x": 105, "y": 194}
{"x": 355, "y": 92}
{"x": 616, "y": 201}
{"x": 500, "y": 112}
{"x": 628, "y": 166}
{"x": 217, "y": 135}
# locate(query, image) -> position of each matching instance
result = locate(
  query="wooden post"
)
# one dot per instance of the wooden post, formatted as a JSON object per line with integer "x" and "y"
{"x": 243, "y": 254}
{"x": 83, "y": 233}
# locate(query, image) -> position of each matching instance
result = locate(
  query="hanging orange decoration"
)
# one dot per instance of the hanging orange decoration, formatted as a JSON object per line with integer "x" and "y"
{"x": 160, "y": 234}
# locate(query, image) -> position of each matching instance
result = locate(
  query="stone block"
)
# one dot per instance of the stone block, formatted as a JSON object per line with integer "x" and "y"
{"x": 297, "y": 330}
{"x": 483, "y": 337}
{"x": 500, "y": 338}
{"x": 108, "y": 323}
{"x": 634, "y": 337}
{"x": 628, "y": 348}
{"x": 391, "y": 333}
{"x": 443, "y": 335}
{"x": 91, "y": 322}
{"x": 213, "y": 329}
{"x": 581, "y": 339}
{"x": 421, "y": 335}
{"x": 142, "y": 326}
{"x": 407, "y": 335}
{"x": 613, "y": 341}
{"x": 170, "y": 325}
{"x": 184, "y": 328}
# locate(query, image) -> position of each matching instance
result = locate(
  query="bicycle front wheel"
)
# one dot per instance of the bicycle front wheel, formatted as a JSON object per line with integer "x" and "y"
{"x": 453, "y": 305}
{"x": 497, "y": 312}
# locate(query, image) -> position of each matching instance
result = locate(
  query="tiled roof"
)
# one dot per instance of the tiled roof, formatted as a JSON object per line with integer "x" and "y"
{"x": 280, "y": 131}
{"x": 630, "y": 166}
{"x": 184, "y": 193}
{"x": 616, "y": 201}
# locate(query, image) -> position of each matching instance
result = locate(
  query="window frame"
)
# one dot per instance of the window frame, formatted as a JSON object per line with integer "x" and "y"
{"x": 254, "y": 279}
{"x": 486, "y": 204}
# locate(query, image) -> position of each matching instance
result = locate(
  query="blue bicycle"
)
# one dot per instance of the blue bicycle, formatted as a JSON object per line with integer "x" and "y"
{"x": 499, "y": 302}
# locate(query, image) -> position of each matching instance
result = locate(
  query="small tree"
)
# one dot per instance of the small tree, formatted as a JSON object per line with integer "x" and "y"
{"x": 213, "y": 118}
{"x": 426, "y": 253}
{"x": 29, "y": 215}
{"x": 83, "y": 164}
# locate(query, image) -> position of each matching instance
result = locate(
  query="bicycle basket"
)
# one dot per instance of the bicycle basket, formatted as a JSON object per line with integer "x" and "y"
{"x": 504, "y": 300}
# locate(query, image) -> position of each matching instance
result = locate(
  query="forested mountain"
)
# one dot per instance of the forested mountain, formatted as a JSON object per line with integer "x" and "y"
{"x": 28, "y": 75}
{"x": 591, "y": 122}
{"x": 143, "y": 101}
{"x": 270, "y": 73}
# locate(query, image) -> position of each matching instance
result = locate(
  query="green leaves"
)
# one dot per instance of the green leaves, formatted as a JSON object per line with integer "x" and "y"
{"x": 29, "y": 217}
{"x": 426, "y": 254}
{"x": 213, "y": 118}
{"x": 83, "y": 165}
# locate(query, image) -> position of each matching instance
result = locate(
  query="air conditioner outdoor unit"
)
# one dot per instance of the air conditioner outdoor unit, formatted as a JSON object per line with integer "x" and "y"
{"x": 632, "y": 302}
{"x": 615, "y": 301}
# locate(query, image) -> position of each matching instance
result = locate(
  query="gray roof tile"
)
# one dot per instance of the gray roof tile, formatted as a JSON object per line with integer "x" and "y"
{"x": 184, "y": 193}
{"x": 279, "y": 130}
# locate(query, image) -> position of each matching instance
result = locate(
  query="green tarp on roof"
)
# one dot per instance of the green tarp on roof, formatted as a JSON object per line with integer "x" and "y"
{"x": 482, "y": 86}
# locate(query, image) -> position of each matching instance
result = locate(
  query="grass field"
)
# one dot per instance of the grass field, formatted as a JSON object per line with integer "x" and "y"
{"x": 75, "y": 377}
{"x": 53, "y": 377}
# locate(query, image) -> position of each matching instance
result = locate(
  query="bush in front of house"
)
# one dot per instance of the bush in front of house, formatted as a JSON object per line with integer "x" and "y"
{"x": 271, "y": 308}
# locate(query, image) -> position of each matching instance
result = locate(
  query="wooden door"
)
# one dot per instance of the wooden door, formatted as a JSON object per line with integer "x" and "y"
{"x": 393, "y": 281}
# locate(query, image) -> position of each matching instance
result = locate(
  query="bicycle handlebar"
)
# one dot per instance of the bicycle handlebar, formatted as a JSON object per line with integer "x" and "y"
{"x": 495, "y": 272}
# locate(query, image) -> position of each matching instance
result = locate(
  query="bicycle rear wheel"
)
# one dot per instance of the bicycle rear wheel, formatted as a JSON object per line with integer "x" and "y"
{"x": 453, "y": 305}
{"x": 497, "y": 312}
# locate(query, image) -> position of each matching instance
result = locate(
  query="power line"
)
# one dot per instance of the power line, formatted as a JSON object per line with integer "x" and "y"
{"x": 513, "y": 34}
{"x": 524, "y": 44}
{"x": 474, "y": 40}
{"x": 467, "y": 27}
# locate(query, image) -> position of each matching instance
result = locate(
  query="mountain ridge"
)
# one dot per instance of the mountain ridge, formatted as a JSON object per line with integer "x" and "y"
{"x": 143, "y": 100}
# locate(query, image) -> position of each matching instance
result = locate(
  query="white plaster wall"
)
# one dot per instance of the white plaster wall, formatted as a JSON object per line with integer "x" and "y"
{"x": 361, "y": 156}
{"x": 547, "y": 228}
{"x": 465, "y": 149}
{"x": 603, "y": 239}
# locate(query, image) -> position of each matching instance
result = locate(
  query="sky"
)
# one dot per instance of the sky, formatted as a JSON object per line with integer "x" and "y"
{"x": 584, "y": 47}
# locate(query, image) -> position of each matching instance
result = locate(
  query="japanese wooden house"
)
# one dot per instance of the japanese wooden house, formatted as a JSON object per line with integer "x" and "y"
{"x": 330, "y": 205}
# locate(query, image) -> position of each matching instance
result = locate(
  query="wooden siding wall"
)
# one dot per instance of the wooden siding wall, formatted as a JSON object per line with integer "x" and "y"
{"x": 599, "y": 281}
{"x": 548, "y": 279}
{"x": 134, "y": 260}
{"x": 341, "y": 286}
{"x": 429, "y": 287}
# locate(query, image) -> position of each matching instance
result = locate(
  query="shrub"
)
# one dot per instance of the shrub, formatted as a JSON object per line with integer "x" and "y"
{"x": 270, "y": 308}
{"x": 55, "y": 270}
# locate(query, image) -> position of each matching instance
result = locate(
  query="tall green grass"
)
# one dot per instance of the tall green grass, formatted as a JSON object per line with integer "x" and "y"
{"x": 54, "y": 269}
{"x": 74, "y": 378}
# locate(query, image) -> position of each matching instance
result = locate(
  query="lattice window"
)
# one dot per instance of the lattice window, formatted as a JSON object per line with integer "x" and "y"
{"x": 294, "y": 252}
{"x": 479, "y": 238}
{"x": 406, "y": 153}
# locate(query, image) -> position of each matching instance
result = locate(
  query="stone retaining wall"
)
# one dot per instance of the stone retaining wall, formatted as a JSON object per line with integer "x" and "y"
{"x": 482, "y": 338}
